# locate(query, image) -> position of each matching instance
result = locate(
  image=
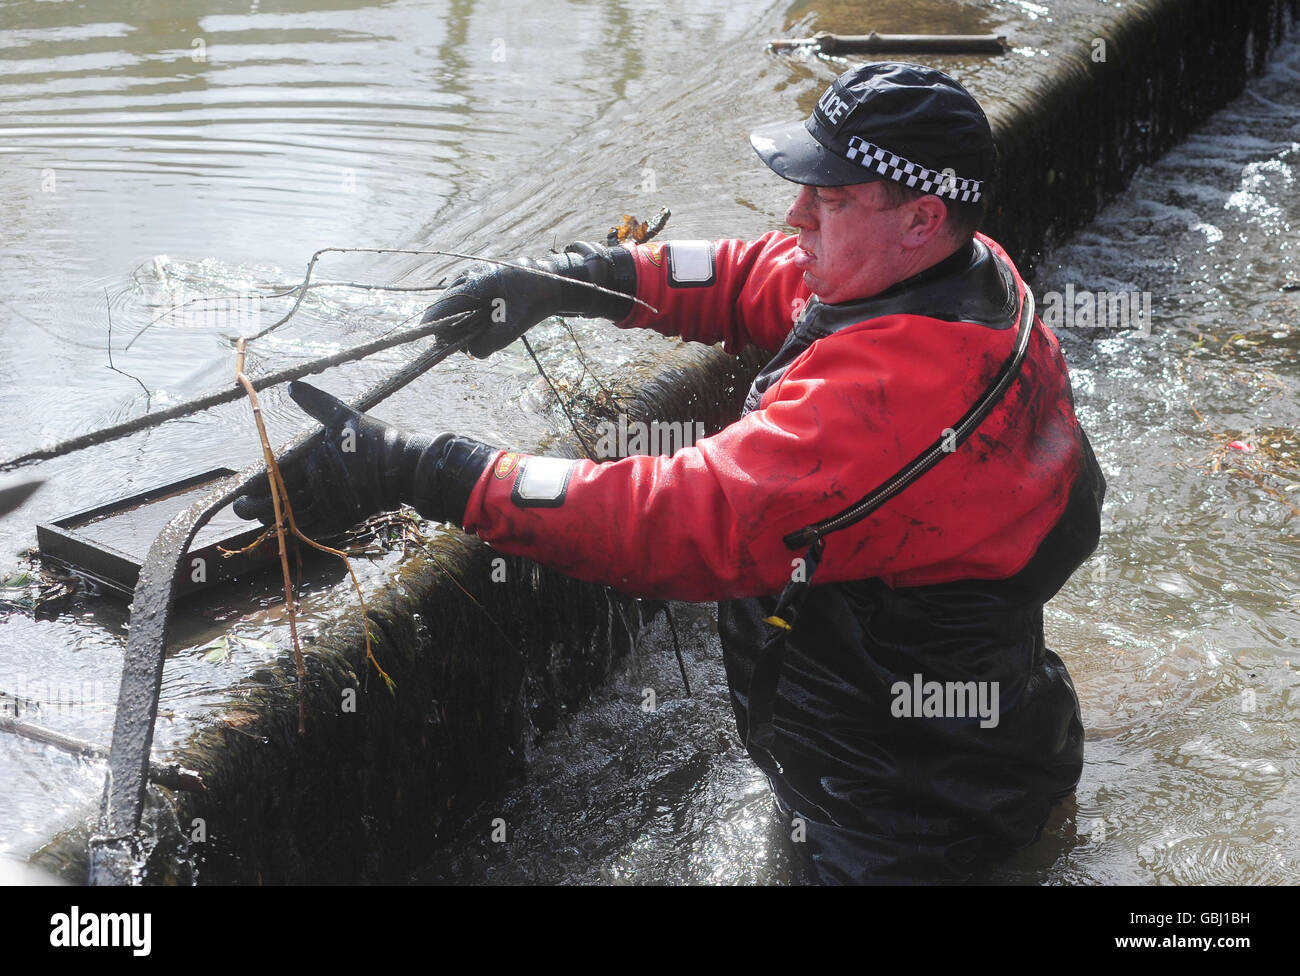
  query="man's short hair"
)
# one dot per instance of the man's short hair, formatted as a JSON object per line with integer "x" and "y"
{"x": 963, "y": 221}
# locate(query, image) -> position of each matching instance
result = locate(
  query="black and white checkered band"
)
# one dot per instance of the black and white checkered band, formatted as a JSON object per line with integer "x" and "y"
{"x": 912, "y": 174}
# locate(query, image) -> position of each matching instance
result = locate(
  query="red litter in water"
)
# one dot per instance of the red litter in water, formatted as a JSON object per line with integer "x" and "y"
{"x": 1242, "y": 446}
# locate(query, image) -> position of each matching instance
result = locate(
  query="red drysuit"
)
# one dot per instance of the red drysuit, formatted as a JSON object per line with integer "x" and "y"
{"x": 945, "y": 582}
{"x": 846, "y": 413}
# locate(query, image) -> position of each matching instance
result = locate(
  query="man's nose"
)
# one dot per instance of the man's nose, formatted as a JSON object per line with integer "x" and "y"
{"x": 797, "y": 215}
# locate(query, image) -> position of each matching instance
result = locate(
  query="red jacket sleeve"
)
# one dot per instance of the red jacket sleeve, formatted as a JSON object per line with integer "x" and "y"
{"x": 707, "y": 523}
{"x": 729, "y": 291}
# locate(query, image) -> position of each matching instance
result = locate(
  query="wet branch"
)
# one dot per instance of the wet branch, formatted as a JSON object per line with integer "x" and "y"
{"x": 229, "y": 394}
{"x": 172, "y": 776}
{"x": 286, "y": 525}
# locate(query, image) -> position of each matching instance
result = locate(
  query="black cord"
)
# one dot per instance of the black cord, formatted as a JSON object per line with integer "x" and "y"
{"x": 563, "y": 406}
{"x": 677, "y": 648}
{"x": 668, "y": 611}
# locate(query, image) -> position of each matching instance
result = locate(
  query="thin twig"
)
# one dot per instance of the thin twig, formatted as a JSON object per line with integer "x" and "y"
{"x": 563, "y": 406}
{"x": 274, "y": 483}
{"x": 226, "y": 396}
{"x": 668, "y": 611}
{"x": 582, "y": 358}
{"x": 266, "y": 533}
{"x": 356, "y": 584}
{"x": 367, "y": 286}
{"x": 147, "y": 395}
{"x": 279, "y": 294}
{"x": 302, "y": 289}
{"x": 123, "y": 801}
{"x": 284, "y": 513}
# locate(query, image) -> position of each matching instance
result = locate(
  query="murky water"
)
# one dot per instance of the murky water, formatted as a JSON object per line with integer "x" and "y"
{"x": 141, "y": 168}
{"x": 1184, "y": 634}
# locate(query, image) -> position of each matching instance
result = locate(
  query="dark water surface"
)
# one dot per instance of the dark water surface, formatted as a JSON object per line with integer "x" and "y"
{"x": 134, "y": 177}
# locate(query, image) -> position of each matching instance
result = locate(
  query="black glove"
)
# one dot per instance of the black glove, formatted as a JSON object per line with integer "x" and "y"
{"x": 508, "y": 301}
{"x": 358, "y": 466}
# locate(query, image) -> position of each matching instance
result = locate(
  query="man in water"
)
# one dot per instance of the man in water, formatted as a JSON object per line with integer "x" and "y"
{"x": 907, "y": 486}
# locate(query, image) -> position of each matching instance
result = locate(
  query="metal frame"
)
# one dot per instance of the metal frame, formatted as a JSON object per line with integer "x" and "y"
{"x": 62, "y": 542}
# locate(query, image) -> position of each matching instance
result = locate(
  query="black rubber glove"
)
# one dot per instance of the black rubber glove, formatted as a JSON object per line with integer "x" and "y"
{"x": 358, "y": 466}
{"x": 508, "y": 301}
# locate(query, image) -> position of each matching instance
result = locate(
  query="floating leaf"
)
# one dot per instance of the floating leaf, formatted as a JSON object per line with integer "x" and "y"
{"x": 218, "y": 651}
{"x": 260, "y": 645}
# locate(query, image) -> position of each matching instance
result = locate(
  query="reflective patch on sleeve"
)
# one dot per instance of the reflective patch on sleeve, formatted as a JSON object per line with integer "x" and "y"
{"x": 690, "y": 264}
{"x": 542, "y": 482}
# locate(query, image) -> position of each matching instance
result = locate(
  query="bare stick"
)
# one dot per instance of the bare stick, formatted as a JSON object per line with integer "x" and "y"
{"x": 112, "y": 851}
{"x": 276, "y": 484}
{"x": 173, "y": 777}
{"x": 235, "y": 392}
{"x": 586, "y": 365}
{"x": 356, "y": 585}
{"x": 367, "y": 286}
{"x": 266, "y": 533}
{"x": 226, "y": 396}
{"x": 668, "y": 611}
{"x": 284, "y": 514}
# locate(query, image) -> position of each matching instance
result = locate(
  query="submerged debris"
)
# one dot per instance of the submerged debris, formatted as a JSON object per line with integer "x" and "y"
{"x": 28, "y": 590}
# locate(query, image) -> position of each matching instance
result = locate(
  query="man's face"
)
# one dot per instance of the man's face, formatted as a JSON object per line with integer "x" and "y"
{"x": 849, "y": 247}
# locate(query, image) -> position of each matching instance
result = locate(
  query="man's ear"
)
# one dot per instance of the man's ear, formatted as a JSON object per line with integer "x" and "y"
{"x": 928, "y": 216}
